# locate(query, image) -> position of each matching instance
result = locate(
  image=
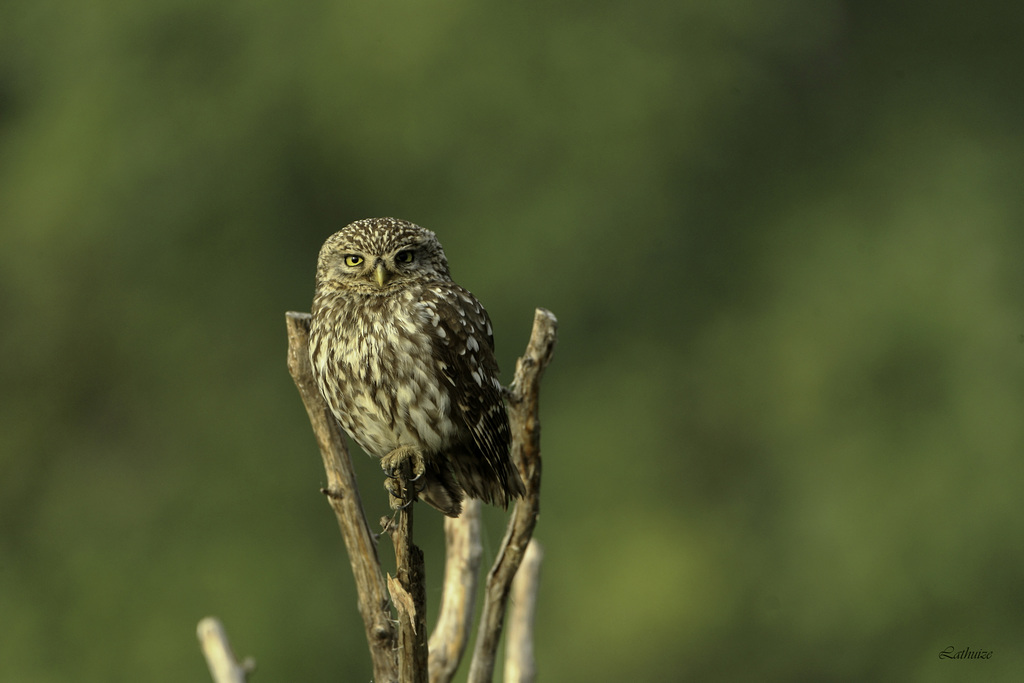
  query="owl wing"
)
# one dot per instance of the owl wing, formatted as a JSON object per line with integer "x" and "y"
{"x": 464, "y": 347}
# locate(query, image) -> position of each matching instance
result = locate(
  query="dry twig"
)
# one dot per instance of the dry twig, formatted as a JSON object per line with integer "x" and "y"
{"x": 520, "y": 666}
{"x": 461, "y": 569}
{"x": 343, "y": 495}
{"x": 213, "y": 640}
{"x": 523, "y": 413}
{"x": 408, "y": 591}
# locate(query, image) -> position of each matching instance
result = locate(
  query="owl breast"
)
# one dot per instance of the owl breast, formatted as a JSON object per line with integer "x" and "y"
{"x": 381, "y": 349}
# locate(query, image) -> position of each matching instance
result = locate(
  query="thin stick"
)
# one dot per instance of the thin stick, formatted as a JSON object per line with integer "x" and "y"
{"x": 520, "y": 665}
{"x": 213, "y": 640}
{"x": 343, "y": 495}
{"x": 524, "y": 420}
{"x": 408, "y": 590}
{"x": 461, "y": 570}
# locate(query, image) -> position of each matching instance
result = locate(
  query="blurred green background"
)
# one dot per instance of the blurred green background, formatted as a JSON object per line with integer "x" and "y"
{"x": 783, "y": 428}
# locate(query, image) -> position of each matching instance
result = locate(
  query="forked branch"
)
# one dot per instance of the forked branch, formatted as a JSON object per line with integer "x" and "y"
{"x": 400, "y": 653}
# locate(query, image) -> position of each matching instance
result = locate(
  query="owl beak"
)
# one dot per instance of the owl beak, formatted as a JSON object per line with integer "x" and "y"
{"x": 381, "y": 274}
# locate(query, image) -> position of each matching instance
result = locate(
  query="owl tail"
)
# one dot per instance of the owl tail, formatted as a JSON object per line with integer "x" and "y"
{"x": 441, "y": 491}
{"x": 496, "y": 483}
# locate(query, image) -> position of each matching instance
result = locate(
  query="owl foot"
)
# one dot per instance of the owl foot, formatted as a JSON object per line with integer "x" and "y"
{"x": 404, "y": 468}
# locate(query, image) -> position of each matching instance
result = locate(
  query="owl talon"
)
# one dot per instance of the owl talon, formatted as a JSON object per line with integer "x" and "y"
{"x": 404, "y": 468}
{"x": 398, "y": 498}
{"x": 393, "y": 462}
{"x": 393, "y": 487}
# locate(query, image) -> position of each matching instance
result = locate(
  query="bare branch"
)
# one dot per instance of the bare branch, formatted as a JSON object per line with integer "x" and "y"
{"x": 224, "y": 668}
{"x": 343, "y": 496}
{"x": 408, "y": 590}
{"x": 520, "y": 666}
{"x": 525, "y": 423}
{"x": 461, "y": 569}
{"x": 402, "y": 653}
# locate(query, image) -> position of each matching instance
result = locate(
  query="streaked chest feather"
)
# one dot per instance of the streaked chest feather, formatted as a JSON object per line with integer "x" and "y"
{"x": 389, "y": 393}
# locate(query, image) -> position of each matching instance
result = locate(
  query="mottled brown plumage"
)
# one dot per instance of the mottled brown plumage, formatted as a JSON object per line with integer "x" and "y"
{"x": 405, "y": 359}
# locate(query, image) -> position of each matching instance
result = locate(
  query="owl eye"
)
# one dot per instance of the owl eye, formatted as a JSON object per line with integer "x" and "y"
{"x": 353, "y": 260}
{"x": 405, "y": 256}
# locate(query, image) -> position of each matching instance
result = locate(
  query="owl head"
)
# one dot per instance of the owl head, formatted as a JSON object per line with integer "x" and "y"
{"x": 380, "y": 256}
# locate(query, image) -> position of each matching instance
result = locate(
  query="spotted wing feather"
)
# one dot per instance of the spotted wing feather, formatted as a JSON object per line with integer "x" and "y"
{"x": 464, "y": 349}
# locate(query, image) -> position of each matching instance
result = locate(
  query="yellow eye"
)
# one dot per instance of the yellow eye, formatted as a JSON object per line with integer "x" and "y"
{"x": 405, "y": 256}
{"x": 353, "y": 260}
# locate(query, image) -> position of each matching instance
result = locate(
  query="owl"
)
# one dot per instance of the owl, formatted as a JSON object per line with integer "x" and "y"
{"x": 404, "y": 358}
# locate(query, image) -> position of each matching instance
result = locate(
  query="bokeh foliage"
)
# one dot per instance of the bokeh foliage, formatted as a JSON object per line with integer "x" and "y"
{"x": 783, "y": 431}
